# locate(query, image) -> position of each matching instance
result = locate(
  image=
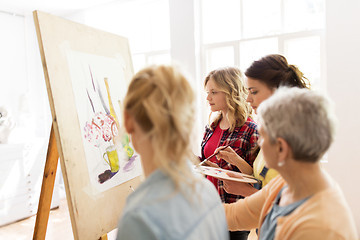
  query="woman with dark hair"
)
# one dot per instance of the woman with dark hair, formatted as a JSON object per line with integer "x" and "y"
{"x": 263, "y": 77}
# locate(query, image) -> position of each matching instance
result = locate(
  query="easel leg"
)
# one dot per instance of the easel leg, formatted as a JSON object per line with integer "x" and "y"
{"x": 47, "y": 188}
{"x": 103, "y": 237}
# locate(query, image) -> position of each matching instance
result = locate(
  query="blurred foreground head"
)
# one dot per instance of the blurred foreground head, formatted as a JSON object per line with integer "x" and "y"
{"x": 160, "y": 99}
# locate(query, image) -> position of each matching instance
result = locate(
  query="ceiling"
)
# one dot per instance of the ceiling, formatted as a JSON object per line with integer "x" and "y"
{"x": 57, "y": 7}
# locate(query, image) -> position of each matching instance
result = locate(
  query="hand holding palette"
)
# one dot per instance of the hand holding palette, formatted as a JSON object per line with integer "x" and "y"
{"x": 222, "y": 174}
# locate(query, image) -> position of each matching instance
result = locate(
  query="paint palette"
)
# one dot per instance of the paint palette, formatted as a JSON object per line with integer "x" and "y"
{"x": 222, "y": 174}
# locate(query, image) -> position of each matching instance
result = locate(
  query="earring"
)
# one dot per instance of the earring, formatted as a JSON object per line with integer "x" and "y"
{"x": 280, "y": 164}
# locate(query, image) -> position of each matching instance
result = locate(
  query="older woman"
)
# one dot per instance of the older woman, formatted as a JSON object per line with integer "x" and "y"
{"x": 296, "y": 128}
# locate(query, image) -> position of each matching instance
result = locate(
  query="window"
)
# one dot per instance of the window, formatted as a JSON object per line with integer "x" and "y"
{"x": 237, "y": 32}
{"x": 255, "y": 49}
{"x": 305, "y": 53}
{"x": 303, "y": 15}
{"x": 221, "y": 56}
{"x": 261, "y": 17}
{"x": 220, "y": 20}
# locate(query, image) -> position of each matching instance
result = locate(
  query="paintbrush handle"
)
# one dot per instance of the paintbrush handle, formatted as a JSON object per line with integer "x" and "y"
{"x": 208, "y": 158}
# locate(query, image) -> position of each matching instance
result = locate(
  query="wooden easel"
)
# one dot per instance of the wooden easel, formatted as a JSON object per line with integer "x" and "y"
{"x": 90, "y": 217}
{"x": 47, "y": 189}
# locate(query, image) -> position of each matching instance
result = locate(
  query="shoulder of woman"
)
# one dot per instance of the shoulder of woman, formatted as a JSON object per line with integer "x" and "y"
{"x": 248, "y": 126}
{"x": 251, "y": 122}
{"x": 275, "y": 184}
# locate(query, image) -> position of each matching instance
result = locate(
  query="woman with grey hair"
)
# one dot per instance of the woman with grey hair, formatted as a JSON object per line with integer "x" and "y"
{"x": 296, "y": 128}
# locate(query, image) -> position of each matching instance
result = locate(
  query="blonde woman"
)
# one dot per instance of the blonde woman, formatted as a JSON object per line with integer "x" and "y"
{"x": 232, "y": 126}
{"x": 172, "y": 203}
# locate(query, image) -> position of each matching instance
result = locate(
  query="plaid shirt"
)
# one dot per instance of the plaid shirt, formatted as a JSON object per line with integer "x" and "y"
{"x": 244, "y": 141}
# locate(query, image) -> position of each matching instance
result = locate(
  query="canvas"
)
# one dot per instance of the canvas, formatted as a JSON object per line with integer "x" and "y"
{"x": 87, "y": 72}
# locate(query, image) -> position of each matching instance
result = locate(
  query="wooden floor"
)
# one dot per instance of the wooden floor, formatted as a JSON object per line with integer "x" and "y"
{"x": 59, "y": 227}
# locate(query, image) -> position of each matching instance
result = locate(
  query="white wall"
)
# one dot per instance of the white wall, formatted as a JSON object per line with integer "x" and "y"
{"x": 343, "y": 83}
{"x": 12, "y": 62}
{"x": 22, "y": 84}
{"x": 23, "y": 91}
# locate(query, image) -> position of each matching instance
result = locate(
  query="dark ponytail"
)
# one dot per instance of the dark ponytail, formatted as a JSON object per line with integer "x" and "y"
{"x": 274, "y": 71}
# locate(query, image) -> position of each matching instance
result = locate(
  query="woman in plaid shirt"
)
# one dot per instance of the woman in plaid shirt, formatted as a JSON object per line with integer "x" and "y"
{"x": 232, "y": 126}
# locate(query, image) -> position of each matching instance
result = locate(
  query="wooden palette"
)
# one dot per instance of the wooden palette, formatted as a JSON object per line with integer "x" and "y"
{"x": 222, "y": 174}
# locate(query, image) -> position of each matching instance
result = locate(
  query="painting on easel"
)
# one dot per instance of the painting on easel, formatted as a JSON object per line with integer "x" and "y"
{"x": 87, "y": 72}
{"x": 99, "y": 85}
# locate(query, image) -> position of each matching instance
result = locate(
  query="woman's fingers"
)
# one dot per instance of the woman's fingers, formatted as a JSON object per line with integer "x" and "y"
{"x": 238, "y": 188}
{"x": 228, "y": 155}
{"x": 221, "y": 149}
{"x": 232, "y": 186}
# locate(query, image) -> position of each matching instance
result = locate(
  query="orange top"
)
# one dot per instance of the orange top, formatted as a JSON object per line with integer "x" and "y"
{"x": 325, "y": 215}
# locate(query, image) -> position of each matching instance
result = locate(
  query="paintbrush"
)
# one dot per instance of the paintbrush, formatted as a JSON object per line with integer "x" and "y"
{"x": 207, "y": 159}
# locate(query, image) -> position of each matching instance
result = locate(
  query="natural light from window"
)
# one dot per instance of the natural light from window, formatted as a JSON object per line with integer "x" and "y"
{"x": 242, "y": 31}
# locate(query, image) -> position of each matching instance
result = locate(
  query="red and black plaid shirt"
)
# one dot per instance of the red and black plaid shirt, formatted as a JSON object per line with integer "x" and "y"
{"x": 244, "y": 141}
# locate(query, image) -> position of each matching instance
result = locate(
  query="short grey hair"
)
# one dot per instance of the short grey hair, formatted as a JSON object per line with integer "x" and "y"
{"x": 304, "y": 118}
